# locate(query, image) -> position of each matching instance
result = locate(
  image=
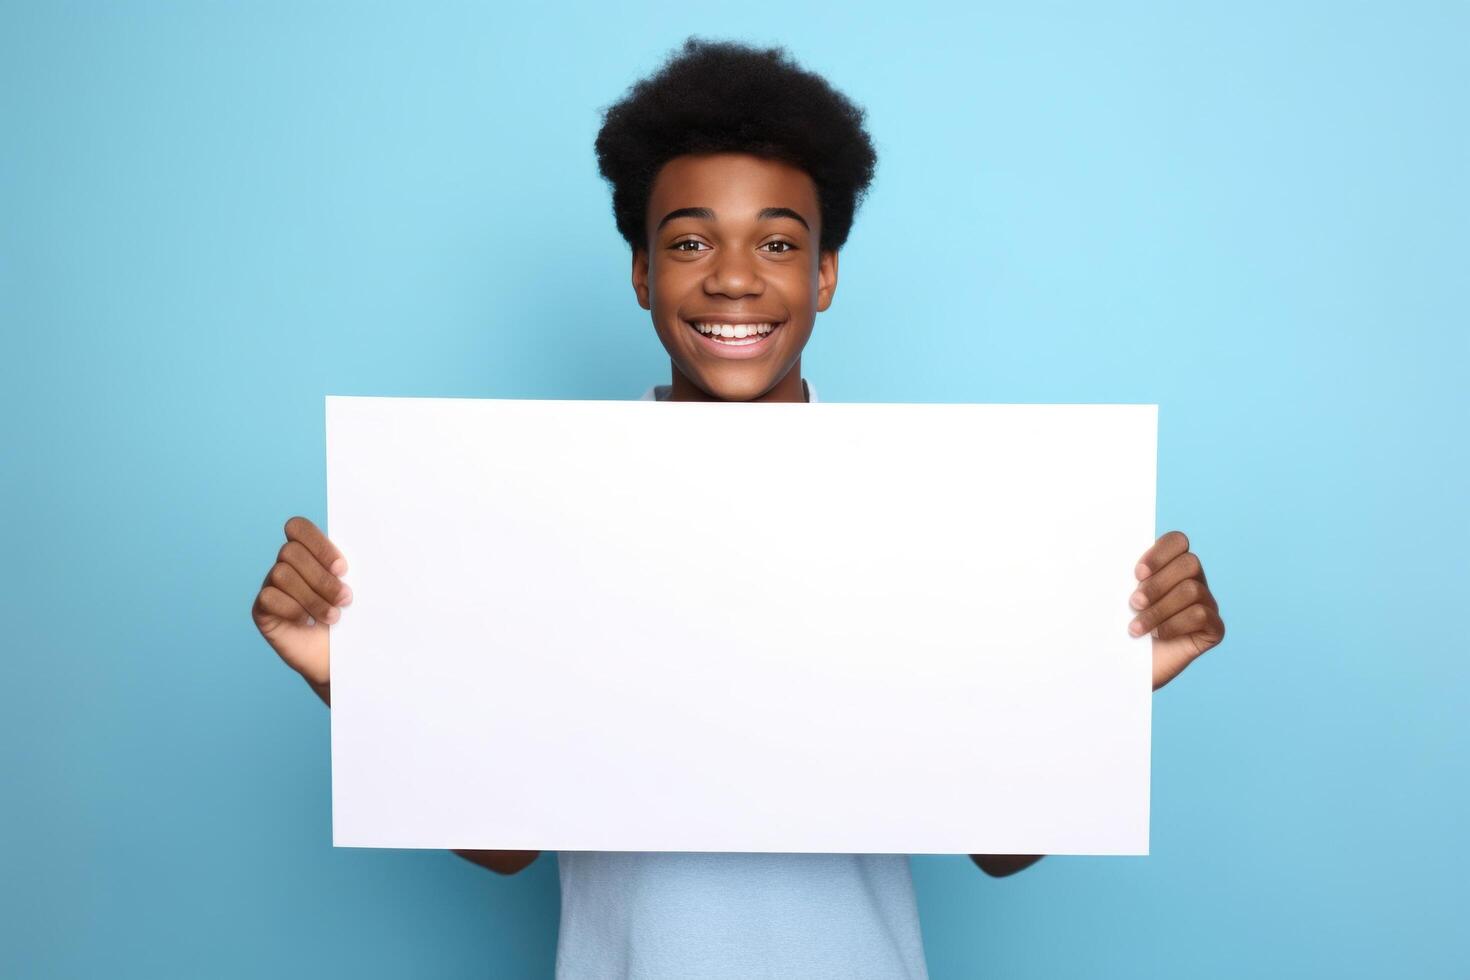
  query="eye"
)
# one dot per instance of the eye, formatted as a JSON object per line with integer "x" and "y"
{"x": 787, "y": 246}
{"x": 678, "y": 246}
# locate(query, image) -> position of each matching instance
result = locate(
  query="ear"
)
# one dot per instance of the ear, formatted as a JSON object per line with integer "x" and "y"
{"x": 826, "y": 279}
{"x": 640, "y": 276}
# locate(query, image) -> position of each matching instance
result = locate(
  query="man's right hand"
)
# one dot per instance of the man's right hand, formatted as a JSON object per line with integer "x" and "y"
{"x": 301, "y": 597}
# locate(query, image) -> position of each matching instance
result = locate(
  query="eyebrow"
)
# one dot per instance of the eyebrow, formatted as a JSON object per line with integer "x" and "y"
{"x": 708, "y": 214}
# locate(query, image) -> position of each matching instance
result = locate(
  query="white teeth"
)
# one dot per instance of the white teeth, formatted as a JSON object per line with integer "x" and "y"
{"x": 734, "y": 331}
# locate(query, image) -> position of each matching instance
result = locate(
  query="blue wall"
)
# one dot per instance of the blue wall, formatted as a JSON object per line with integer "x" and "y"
{"x": 213, "y": 214}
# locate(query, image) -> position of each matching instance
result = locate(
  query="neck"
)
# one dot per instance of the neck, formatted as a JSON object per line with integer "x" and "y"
{"x": 789, "y": 389}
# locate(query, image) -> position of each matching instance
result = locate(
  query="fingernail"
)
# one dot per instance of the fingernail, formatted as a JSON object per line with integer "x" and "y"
{"x": 1136, "y": 628}
{"x": 310, "y": 620}
{"x": 1138, "y": 600}
{"x": 1140, "y": 571}
{"x": 1155, "y": 633}
{"x": 333, "y": 615}
{"x": 339, "y": 567}
{"x": 346, "y": 599}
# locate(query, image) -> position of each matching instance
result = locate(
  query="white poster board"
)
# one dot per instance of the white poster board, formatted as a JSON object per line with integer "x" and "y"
{"x": 641, "y": 625}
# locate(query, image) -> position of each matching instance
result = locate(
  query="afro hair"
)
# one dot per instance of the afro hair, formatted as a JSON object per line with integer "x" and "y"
{"x": 720, "y": 96}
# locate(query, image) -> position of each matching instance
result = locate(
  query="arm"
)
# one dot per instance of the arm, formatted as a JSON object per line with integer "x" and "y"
{"x": 302, "y": 595}
{"x": 501, "y": 862}
{"x": 1001, "y": 865}
{"x": 1176, "y": 607}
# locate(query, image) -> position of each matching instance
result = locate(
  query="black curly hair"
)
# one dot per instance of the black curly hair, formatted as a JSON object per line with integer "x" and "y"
{"x": 721, "y": 96}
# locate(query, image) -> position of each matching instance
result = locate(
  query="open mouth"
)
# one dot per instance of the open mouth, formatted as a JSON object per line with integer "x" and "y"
{"x": 735, "y": 338}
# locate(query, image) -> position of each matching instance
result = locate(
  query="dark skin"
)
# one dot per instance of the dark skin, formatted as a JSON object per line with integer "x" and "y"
{"x": 1174, "y": 605}
{"x": 730, "y": 236}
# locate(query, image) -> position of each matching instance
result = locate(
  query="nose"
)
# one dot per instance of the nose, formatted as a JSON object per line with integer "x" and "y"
{"x": 734, "y": 273}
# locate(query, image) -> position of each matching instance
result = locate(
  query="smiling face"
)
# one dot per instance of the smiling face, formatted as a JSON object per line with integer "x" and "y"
{"x": 733, "y": 275}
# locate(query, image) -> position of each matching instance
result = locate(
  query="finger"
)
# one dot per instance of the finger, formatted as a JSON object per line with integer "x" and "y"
{"x": 289, "y": 581}
{"x": 1197, "y": 618}
{"x": 1183, "y": 595}
{"x": 273, "y": 603}
{"x": 324, "y": 583}
{"x": 303, "y": 530}
{"x": 1158, "y": 584}
{"x": 1170, "y": 545}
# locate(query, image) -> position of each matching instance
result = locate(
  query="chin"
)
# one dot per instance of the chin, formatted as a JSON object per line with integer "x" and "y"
{"x": 733, "y": 386}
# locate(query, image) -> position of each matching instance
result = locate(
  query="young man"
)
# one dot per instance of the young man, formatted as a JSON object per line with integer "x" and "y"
{"x": 735, "y": 178}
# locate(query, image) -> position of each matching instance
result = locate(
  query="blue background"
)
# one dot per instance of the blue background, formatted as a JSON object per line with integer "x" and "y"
{"x": 213, "y": 214}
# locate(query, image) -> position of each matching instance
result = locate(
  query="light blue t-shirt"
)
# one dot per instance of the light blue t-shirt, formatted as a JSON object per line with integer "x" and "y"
{"x": 680, "y": 914}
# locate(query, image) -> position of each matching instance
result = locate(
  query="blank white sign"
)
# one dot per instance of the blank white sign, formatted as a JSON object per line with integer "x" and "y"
{"x": 661, "y": 626}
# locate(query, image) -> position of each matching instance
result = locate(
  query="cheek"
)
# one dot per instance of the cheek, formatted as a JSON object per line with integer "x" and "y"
{"x": 798, "y": 281}
{"x": 667, "y": 284}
